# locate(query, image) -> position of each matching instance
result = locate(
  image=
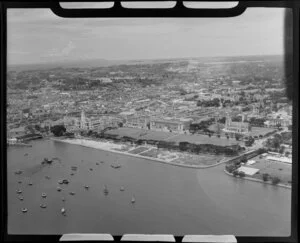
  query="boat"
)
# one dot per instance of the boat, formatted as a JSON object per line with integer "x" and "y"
{"x": 24, "y": 210}
{"x": 72, "y": 174}
{"x": 25, "y": 154}
{"x": 19, "y": 191}
{"x": 47, "y": 161}
{"x": 18, "y": 172}
{"x": 30, "y": 183}
{"x": 60, "y": 182}
{"x": 63, "y": 211}
{"x": 48, "y": 177}
{"x": 65, "y": 181}
{"x": 58, "y": 189}
{"x": 63, "y": 199}
{"x": 116, "y": 166}
{"x": 72, "y": 193}
{"x": 102, "y": 162}
{"x": 21, "y": 198}
{"x": 74, "y": 168}
{"x": 86, "y": 187}
{"x": 97, "y": 163}
{"x": 122, "y": 188}
{"x": 43, "y": 205}
{"x": 91, "y": 169}
{"x": 133, "y": 200}
{"x": 19, "y": 182}
{"x": 105, "y": 190}
{"x": 44, "y": 195}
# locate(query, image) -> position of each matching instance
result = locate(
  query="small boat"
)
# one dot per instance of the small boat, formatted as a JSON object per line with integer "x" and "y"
{"x": 43, "y": 205}
{"x": 72, "y": 193}
{"x": 18, "y": 172}
{"x": 132, "y": 200}
{"x": 25, "y": 154}
{"x": 105, "y": 190}
{"x": 91, "y": 169}
{"x": 63, "y": 211}
{"x": 19, "y": 182}
{"x": 19, "y": 191}
{"x": 30, "y": 183}
{"x": 122, "y": 189}
{"x": 48, "y": 177}
{"x": 21, "y": 198}
{"x": 97, "y": 163}
{"x": 116, "y": 166}
{"x": 102, "y": 162}
{"x": 58, "y": 189}
{"x": 72, "y": 174}
{"x": 60, "y": 182}
{"x": 86, "y": 187}
{"x": 24, "y": 210}
{"x": 47, "y": 161}
{"x": 44, "y": 195}
{"x": 65, "y": 181}
{"x": 63, "y": 199}
{"x": 74, "y": 167}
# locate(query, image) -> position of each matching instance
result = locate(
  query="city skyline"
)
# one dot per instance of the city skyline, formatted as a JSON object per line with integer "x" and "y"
{"x": 38, "y": 36}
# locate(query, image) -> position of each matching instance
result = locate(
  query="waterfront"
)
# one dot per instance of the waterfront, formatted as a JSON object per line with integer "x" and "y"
{"x": 169, "y": 199}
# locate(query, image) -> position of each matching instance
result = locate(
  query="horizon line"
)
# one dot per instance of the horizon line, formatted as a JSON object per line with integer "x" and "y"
{"x": 142, "y": 59}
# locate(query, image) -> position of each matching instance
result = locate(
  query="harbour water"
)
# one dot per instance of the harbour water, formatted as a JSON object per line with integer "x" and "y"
{"x": 168, "y": 199}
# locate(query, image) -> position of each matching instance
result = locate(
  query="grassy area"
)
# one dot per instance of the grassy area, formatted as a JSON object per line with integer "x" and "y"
{"x": 256, "y": 131}
{"x": 139, "y": 133}
{"x": 204, "y": 139}
{"x": 275, "y": 169}
{"x": 191, "y": 159}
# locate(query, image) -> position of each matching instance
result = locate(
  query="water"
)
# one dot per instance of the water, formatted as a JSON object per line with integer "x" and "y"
{"x": 169, "y": 199}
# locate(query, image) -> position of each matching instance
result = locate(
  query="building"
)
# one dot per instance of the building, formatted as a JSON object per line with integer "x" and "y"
{"x": 236, "y": 127}
{"x": 137, "y": 122}
{"x": 171, "y": 125}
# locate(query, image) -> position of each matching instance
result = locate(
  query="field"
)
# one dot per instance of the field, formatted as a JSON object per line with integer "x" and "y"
{"x": 204, "y": 139}
{"x": 281, "y": 170}
{"x": 203, "y": 160}
{"x": 256, "y": 131}
{"x": 139, "y": 133}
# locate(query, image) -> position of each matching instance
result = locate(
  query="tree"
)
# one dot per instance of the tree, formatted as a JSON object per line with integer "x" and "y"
{"x": 58, "y": 130}
{"x": 265, "y": 176}
{"x": 235, "y": 173}
{"x": 275, "y": 180}
{"x": 230, "y": 168}
{"x": 242, "y": 174}
{"x": 281, "y": 150}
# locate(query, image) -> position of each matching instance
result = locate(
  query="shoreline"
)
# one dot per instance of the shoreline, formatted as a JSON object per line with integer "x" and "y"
{"x": 260, "y": 181}
{"x": 142, "y": 157}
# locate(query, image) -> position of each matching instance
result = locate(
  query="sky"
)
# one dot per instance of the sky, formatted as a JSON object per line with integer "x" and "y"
{"x": 39, "y": 36}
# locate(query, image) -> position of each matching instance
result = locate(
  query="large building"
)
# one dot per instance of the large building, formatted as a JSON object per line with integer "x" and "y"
{"x": 171, "y": 125}
{"x": 236, "y": 127}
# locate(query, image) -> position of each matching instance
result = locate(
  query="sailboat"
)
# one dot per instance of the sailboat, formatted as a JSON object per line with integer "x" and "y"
{"x": 133, "y": 200}
{"x": 63, "y": 211}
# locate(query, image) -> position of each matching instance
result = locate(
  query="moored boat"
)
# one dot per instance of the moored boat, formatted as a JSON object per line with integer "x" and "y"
{"x": 133, "y": 200}
{"x": 122, "y": 188}
{"x": 43, "y": 205}
{"x": 24, "y": 210}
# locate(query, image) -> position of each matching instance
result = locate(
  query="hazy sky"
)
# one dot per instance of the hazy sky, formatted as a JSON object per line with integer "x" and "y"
{"x": 38, "y": 35}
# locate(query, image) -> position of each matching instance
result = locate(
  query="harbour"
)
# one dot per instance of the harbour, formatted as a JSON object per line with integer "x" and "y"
{"x": 158, "y": 198}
